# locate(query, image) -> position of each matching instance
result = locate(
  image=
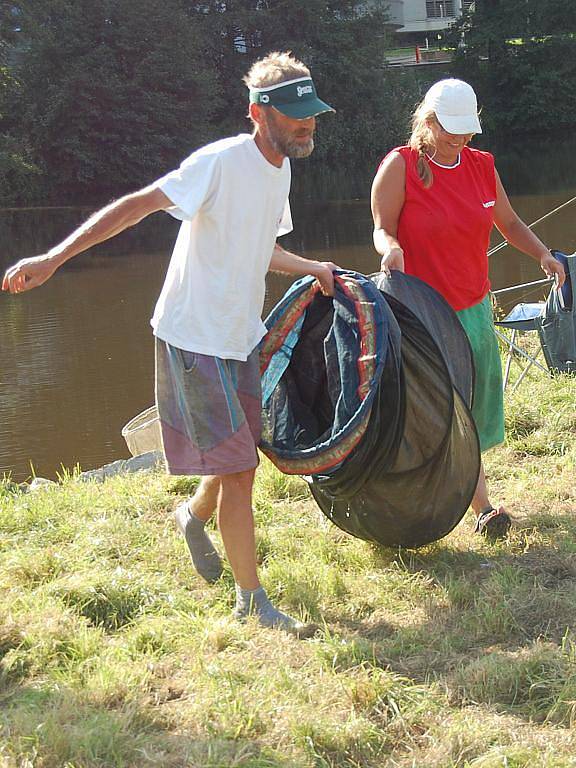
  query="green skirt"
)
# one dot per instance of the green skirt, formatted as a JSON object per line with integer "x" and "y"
{"x": 488, "y": 405}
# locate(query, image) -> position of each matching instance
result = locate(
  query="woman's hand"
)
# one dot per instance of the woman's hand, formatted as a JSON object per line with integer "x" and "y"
{"x": 394, "y": 259}
{"x": 553, "y": 268}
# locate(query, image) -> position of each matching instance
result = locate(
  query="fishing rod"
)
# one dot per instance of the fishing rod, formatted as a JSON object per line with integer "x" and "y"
{"x": 504, "y": 243}
{"x": 523, "y": 285}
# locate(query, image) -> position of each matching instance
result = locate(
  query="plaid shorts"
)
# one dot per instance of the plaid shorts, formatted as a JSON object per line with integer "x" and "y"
{"x": 210, "y": 411}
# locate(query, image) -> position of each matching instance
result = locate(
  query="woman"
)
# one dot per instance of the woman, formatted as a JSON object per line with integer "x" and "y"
{"x": 434, "y": 204}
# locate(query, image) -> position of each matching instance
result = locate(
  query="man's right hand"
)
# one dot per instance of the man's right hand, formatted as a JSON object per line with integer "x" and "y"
{"x": 102, "y": 225}
{"x": 29, "y": 273}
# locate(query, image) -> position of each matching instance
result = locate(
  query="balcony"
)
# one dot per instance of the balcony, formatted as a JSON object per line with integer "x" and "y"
{"x": 425, "y": 17}
{"x": 440, "y": 9}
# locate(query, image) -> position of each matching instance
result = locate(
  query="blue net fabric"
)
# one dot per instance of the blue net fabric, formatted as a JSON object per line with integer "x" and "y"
{"x": 321, "y": 364}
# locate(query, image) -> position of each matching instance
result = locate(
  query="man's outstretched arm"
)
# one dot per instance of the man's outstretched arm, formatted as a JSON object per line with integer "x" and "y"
{"x": 104, "y": 224}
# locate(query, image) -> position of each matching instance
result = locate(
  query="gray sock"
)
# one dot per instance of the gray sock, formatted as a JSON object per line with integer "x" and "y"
{"x": 255, "y": 602}
{"x": 204, "y": 556}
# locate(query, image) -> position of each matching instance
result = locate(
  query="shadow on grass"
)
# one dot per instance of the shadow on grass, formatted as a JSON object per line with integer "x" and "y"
{"x": 499, "y": 631}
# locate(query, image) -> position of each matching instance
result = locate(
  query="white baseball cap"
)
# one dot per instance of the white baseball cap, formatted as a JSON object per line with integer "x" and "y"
{"x": 455, "y": 106}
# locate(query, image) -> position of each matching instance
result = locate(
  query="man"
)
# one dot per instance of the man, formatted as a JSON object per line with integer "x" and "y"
{"x": 232, "y": 197}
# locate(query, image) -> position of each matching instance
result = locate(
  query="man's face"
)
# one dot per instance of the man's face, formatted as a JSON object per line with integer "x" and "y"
{"x": 288, "y": 136}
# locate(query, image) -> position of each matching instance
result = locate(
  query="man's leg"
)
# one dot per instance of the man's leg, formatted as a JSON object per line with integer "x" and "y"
{"x": 191, "y": 517}
{"x": 205, "y": 500}
{"x": 236, "y": 522}
{"x": 210, "y": 418}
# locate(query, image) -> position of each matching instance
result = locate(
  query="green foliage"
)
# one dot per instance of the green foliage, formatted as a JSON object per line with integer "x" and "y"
{"x": 19, "y": 172}
{"x": 520, "y": 55}
{"x": 20, "y": 175}
{"x": 505, "y": 19}
{"x": 109, "y": 94}
{"x": 340, "y": 40}
{"x": 99, "y": 98}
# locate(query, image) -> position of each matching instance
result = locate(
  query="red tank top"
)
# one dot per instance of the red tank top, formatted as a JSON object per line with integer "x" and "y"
{"x": 445, "y": 230}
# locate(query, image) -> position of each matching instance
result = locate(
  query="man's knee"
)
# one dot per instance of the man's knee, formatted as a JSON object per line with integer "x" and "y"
{"x": 209, "y": 482}
{"x": 238, "y": 480}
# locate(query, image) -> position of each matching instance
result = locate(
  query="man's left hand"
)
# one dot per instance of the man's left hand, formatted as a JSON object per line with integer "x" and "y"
{"x": 323, "y": 272}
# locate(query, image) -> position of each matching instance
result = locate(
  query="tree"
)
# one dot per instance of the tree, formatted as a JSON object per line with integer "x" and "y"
{"x": 343, "y": 42}
{"x": 520, "y": 55}
{"x": 19, "y": 174}
{"x": 108, "y": 93}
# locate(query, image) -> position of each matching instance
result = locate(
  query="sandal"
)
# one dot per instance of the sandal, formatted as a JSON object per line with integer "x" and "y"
{"x": 493, "y": 523}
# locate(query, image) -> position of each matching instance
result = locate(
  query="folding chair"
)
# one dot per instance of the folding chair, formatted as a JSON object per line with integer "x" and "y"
{"x": 555, "y": 322}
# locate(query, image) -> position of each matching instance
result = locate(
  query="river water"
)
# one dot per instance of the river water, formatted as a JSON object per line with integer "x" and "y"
{"x": 77, "y": 354}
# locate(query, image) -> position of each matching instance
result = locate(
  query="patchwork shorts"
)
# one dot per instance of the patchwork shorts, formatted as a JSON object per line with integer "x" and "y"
{"x": 210, "y": 411}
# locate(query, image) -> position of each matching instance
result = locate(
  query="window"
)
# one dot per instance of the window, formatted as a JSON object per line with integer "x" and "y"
{"x": 440, "y": 9}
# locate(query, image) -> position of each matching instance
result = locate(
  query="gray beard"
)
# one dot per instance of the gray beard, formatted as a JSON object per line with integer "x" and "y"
{"x": 292, "y": 149}
{"x": 299, "y": 150}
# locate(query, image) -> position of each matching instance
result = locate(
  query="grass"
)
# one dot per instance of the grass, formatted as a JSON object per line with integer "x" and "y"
{"x": 459, "y": 655}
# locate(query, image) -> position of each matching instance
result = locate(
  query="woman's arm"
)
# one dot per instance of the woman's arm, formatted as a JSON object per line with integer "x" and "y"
{"x": 518, "y": 234}
{"x": 387, "y": 200}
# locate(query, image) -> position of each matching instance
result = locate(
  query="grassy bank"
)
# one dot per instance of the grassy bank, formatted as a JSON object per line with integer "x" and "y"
{"x": 113, "y": 653}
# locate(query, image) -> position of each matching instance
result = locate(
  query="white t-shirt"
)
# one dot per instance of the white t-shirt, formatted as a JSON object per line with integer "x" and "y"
{"x": 233, "y": 205}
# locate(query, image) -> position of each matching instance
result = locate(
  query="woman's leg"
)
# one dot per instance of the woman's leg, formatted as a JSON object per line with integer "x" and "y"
{"x": 487, "y": 409}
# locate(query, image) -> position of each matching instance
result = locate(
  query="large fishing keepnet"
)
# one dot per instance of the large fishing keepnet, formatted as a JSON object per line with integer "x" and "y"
{"x": 367, "y": 394}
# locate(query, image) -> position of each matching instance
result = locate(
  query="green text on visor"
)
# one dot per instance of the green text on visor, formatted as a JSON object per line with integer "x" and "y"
{"x": 295, "y": 98}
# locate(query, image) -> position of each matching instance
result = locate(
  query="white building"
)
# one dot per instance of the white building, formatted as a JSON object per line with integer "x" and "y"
{"x": 425, "y": 16}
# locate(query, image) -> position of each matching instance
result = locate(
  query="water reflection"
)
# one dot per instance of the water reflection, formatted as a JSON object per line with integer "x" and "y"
{"x": 77, "y": 354}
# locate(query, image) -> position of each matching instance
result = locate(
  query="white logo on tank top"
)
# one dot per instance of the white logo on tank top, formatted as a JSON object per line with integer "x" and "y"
{"x": 489, "y": 204}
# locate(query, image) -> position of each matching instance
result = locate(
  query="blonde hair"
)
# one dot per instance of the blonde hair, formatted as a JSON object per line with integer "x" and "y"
{"x": 422, "y": 140}
{"x": 275, "y": 68}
